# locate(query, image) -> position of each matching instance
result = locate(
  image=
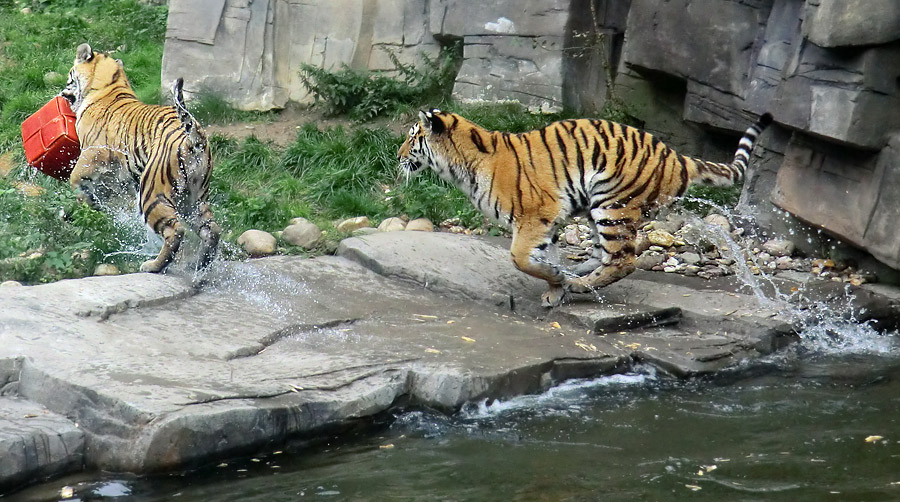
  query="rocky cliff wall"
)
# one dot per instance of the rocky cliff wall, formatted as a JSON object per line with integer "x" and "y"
{"x": 695, "y": 72}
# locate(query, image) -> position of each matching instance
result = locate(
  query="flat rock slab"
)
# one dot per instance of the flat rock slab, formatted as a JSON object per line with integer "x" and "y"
{"x": 160, "y": 375}
{"x": 35, "y": 443}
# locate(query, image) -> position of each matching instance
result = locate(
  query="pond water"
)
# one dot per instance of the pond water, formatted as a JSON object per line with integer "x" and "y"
{"x": 803, "y": 425}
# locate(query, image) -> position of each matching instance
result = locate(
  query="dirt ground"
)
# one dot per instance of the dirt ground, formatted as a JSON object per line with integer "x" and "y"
{"x": 282, "y": 130}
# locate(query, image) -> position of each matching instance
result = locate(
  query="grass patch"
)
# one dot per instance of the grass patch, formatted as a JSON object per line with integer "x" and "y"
{"x": 37, "y": 50}
{"x": 50, "y": 236}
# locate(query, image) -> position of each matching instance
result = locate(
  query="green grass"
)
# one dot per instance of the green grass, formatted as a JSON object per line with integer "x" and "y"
{"x": 324, "y": 175}
{"x": 37, "y": 50}
{"x": 52, "y": 236}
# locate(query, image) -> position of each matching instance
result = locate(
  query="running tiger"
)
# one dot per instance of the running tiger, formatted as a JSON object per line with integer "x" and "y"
{"x": 535, "y": 180}
{"x": 161, "y": 148}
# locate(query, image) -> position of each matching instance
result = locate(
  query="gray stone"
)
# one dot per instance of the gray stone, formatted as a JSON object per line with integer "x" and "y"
{"x": 720, "y": 58}
{"x": 257, "y": 242}
{"x": 36, "y": 444}
{"x": 829, "y": 187}
{"x": 525, "y": 68}
{"x": 842, "y": 23}
{"x": 524, "y": 18}
{"x": 302, "y": 233}
{"x": 296, "y": 349}
{"x": 779, "y": 247}
{"x": 689, "y": 258}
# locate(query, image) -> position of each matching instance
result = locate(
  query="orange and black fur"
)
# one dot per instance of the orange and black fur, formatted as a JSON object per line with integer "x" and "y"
{"x": 536, "y": 180}
{"x": 161, "y": 150}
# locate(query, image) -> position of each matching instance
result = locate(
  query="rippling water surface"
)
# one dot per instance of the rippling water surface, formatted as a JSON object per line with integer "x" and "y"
{"x": 815, "y": 427}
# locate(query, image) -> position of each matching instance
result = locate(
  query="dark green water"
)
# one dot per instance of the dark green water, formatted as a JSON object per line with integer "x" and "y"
{"x": 797, "y": 432}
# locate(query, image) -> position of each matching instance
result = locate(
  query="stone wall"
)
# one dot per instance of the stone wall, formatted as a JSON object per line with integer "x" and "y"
{"x": 694, "y": 72}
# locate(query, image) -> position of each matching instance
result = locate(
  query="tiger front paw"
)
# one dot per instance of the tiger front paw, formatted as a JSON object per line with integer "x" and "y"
{"x": 151, "y": 266}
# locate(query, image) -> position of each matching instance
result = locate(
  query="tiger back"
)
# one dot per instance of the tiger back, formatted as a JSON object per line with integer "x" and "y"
{"x": 160, "y": 150}
{"x": 536, "y": 180}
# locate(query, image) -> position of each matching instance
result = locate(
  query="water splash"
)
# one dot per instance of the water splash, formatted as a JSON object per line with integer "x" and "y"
{"x": 264, "y": 288}
{"x": 566, "y": 397}
{"x": 826, "y": 328}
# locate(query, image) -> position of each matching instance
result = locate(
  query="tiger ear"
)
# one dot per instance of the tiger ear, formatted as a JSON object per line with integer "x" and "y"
{"x": 430, "y": 123}
{"x": 84, "y": 53}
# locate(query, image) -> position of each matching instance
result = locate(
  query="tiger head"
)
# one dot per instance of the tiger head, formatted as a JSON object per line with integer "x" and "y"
{"x": 91, "y": 72}
{"x": 422, "y": 147}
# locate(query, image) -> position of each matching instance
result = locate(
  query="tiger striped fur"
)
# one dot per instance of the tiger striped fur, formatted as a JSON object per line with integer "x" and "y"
{"x": 536, "y": 180}
{"x": 161, "y": 150}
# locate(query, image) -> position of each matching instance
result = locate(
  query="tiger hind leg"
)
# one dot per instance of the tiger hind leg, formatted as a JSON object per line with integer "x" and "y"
{"x": 209, "y": 232}
{"x": 596, "y": 258}
{"x": 532, "y": 251}
{"x": 165, "y": 222}
{"x": 614, "y": 245}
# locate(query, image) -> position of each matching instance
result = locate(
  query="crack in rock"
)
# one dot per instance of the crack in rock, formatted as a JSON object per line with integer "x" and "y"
{"x": 103, "y": 312}
{"x": 276, "y": 336}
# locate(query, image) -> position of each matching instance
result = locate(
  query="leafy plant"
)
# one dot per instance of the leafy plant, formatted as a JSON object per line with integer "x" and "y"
{"x": 364, "y": 95}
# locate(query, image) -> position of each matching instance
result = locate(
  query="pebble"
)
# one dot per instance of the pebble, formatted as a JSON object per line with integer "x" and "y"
{"x": 257, "y": 243}
{"x": 661, "y": 238}
{"x": 689, "y": 258}
{"x": 10, "y": 284}
{"x": 779, "y": 247}
{"x": 302, "y": 233}
{"x": 393, "y": 225}
{"x": 420, "y": 225}
{"x": 106, "y": 269}
{"x": 649, "y": 259}
{"x": 351, "y": 224}
{"x": 719, "y": 221}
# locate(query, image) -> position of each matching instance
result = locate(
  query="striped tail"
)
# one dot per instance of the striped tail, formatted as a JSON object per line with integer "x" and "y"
{"x": 187, "y": 120}
{"x": 718, "y": 174}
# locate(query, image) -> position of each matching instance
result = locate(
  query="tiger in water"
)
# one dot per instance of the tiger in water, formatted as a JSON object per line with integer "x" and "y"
{"x": 162, "y": 150}
{"x": 536, "y": 180}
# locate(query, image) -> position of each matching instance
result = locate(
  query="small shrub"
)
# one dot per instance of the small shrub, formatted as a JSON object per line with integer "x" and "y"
{"x": 364, "y": 95}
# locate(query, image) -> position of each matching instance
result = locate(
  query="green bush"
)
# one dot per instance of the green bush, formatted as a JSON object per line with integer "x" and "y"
{"x": 364, "y": 95}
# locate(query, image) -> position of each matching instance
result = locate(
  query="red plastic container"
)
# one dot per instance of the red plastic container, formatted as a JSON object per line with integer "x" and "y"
{"x": 50, "y": 141}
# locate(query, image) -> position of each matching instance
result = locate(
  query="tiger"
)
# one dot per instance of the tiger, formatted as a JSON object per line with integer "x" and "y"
{"x": 533, "y": 181}
{"x": 160, "y": 150}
